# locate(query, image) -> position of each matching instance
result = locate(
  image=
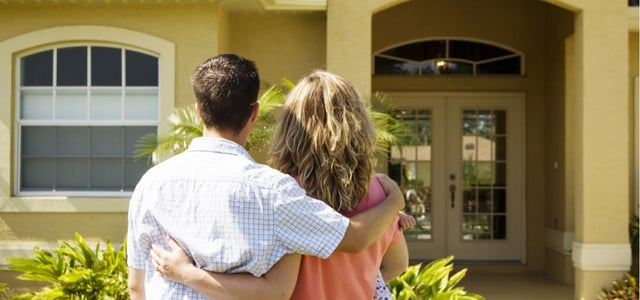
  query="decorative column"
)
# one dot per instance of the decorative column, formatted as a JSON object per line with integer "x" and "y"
{"x": 601, "y": 250}
{"x": 349, "y": 42}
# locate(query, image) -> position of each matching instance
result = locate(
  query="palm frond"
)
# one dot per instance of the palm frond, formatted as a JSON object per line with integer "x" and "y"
{"x": 185, "y": 125}
{"x": 389, "y": 130}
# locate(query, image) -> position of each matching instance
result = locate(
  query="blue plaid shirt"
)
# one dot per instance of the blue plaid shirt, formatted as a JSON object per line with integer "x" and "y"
{"x": 228, "y": 212}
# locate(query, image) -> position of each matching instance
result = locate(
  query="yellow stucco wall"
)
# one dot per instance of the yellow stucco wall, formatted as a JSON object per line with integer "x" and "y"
{"x": 634, "y": 64}
{"x": 192, "y": 28}
{"x": 167, "y": 22}
{"x": 283, "y": 45}
{"x": 558, "y": 213}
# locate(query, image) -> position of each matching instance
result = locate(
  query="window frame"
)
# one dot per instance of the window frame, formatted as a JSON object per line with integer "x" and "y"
{"x": 54, "y": 122}
{"x": 164, "y": 50}
{"x": 514, "y": 53}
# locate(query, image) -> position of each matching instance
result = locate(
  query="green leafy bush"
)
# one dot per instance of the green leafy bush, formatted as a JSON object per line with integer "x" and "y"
{"x": 75, "y": 272}
{"x": 431, "y": 282}
{"x": 621, "y": 289}
{"x": 633, "y": 239}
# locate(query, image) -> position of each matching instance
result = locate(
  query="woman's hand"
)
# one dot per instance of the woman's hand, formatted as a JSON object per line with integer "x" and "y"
{"x": 174, "y": 264}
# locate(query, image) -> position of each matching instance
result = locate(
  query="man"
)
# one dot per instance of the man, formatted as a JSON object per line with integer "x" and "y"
{"x": 230, "y": 214}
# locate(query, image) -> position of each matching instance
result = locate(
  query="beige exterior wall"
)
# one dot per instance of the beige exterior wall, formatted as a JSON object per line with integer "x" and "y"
{"x": 570, "y": 130}
{"x": 634, "y": 64}
{"x": 169, "y": 22}
{"x": 283, "y": 45}
{"x": 558, "y": 213}
{"x": 40, "y": 218}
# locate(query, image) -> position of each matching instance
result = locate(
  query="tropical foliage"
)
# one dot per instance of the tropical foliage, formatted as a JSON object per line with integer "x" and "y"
{"x": 621, "y": 289}
{"x": 185, "y": 125}
{"x": 75, "y": 272}
{"x": 431, "y": 282}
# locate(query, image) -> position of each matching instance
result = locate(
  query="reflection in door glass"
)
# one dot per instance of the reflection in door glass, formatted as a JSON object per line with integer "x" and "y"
{"x": 410, "y": 166}
{"x": 484, "y": 153}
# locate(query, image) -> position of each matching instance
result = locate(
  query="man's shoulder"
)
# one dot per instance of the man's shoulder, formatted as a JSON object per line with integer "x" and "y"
{"x": 266, "y": 175}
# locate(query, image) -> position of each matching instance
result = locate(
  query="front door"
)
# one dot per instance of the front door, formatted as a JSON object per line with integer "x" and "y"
{"x": 461, "y": 169}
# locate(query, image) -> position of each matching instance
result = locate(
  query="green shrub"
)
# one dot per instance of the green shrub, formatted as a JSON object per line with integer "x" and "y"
{"x": 621, "y": 289}
{"x": 633, "y": 239}
{"x": 75, "y": 272}
{"x": 431, "y": 282}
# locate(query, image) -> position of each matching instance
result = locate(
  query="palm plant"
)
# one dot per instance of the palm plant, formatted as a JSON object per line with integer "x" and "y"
{"x": 185, "y": 125}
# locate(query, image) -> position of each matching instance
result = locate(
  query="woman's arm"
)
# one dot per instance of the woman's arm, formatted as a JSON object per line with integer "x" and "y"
{"x": 277, "y": 283}
{"x": 136, "y": 284}
{"x": 395, "y": 260}
{"x": 367, "y": 227}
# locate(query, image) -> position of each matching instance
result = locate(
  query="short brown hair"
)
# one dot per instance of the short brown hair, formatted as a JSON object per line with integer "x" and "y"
{"x": 226, "y": 86}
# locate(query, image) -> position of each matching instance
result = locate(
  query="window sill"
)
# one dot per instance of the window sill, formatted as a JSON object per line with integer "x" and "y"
{"x": 64, "y": 204}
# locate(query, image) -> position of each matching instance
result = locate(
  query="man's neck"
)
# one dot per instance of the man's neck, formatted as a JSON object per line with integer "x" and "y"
{"x": 225, "y": 134}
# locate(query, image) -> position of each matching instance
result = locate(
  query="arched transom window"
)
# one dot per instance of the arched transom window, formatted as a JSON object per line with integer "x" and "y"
{"x": 448, "y": 57}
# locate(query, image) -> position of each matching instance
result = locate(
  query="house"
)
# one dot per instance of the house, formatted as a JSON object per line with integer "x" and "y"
{"x": 523, "y": 149}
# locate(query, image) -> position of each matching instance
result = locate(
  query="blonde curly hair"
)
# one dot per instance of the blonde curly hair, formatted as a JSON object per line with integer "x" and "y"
{"x": 327, "y": 140}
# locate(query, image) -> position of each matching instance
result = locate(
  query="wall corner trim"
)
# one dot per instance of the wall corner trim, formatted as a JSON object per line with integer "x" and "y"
{"x": 558, "y": 241}
{"x": 601, "y": 257}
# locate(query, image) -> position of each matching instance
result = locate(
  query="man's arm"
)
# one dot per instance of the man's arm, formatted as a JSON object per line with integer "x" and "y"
{"x": 277, "y": 283}
{"x": 136, "y": 284}
{"x": 366, "y": 227}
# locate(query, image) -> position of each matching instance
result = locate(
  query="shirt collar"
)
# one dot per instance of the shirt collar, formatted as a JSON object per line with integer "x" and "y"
{"x": 218, "y": 145}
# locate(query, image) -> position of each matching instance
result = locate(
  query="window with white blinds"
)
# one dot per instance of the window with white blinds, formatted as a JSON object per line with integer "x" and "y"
{"x": 80, "y": 111}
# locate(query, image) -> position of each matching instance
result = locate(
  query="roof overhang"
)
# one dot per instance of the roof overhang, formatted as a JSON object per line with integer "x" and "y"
{"x": 232, "y": 5}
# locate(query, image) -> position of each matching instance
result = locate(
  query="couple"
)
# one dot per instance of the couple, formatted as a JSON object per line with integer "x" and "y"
{"x": 232, "y": 215}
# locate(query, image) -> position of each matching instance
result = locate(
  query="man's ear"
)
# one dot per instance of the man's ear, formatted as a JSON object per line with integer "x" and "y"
{"x": 198, "y": 110}
{"x": 254, "y": 113}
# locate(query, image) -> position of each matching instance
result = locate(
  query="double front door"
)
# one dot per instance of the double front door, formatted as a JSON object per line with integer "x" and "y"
{"x": 461, "y": 169}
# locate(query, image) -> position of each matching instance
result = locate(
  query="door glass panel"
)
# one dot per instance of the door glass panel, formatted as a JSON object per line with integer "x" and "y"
{"x": 410, "y": 165}
{"x": 484, "y": 175}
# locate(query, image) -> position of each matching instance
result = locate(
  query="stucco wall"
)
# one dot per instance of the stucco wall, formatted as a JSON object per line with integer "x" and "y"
{"x": 192, "y": 28}
{"x": 558, "y": 213}
{"x": 283, "y": 45}
{"x": 633, "y": 75}
{"x": 516, "y": 24}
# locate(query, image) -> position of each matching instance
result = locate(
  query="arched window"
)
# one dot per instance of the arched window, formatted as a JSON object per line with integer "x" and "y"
{"x": 447, "y": 57}
{"x": 80, "y": 111}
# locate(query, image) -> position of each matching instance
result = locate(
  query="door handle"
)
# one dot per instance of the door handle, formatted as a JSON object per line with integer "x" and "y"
{"x": 452, "y": 189}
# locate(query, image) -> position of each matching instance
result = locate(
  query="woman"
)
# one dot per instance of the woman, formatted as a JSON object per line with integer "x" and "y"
{"x": 326, "y": 140}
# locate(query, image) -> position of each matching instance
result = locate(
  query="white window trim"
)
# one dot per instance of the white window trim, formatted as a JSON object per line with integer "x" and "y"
{"x": 86, "y": 122}
{"x": 516, "y": 52}
{"x": 163, "y": 49}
